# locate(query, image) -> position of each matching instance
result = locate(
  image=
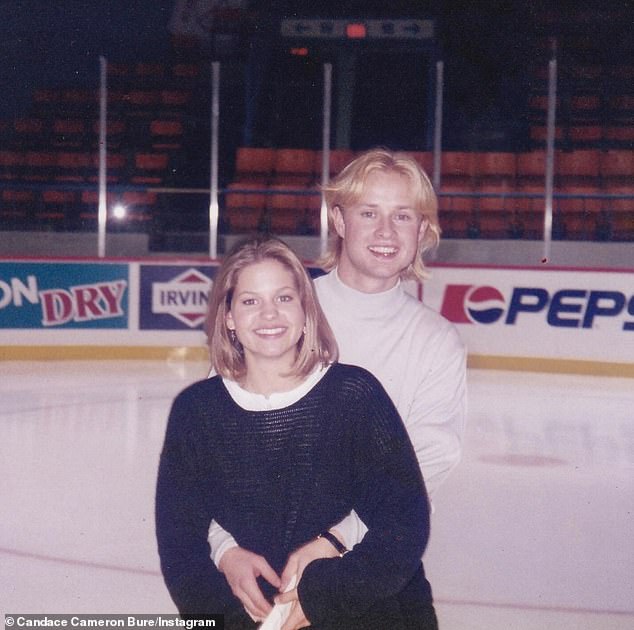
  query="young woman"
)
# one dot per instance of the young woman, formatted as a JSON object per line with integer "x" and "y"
{"x": 279, "y": 446}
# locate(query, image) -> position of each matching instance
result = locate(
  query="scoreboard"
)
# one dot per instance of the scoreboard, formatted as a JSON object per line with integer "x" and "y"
{"x": 402, "y": 30}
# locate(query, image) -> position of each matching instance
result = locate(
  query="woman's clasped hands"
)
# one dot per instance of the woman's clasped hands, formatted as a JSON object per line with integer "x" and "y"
{"x": 242, "y": 568}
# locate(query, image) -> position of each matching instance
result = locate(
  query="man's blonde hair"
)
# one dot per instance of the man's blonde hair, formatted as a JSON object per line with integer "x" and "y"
{"x": 346, "y": 188}
{"x": 316, "y": 346}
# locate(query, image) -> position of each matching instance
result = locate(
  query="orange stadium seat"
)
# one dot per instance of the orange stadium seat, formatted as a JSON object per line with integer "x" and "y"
{"x": 245, "y": 205}
{"x": 616, "y": 166}
{"x": 115, "y": 167}
{"x": 585, "y": 135}
{"x": 175, "y": 98}
{"x": 115, "y": 132}
{"x": 338, "y": 159}
{"x": 254, "y": 164}
{"x": 620, "y": 135}
{"x": 578, "y": 166}
{"x": 496, "y": 166}
{"x": 496, "y": 208}
{"x": 286, "y": 209}
{"x": 539, "y": 134}
{"x": 56, "y": 208}
{"x": 45, "y": 98}
{"x": 584, "y": 116}
{"x": 139, "y": 207}
{"x": 294, "y": 167}
{"x": 73, "y": 166}
{"x": 15, "y": 207}
{"x": 118, "y": 70}
{"x": 531, "y": 166}
{"x": 28, "y": 126}
{"x": 310, "y": 223}
{"x": 149, "y": 70}
{"x": 166, "y": 134}
{"x": 68, "y": 133}
{"x": 150, "y": 168}
{"x": 12, "y": 165}
{"x": 425, "y": 160}
{"x": 40, "y": 165}
{"x": 622, "y": 108}
{"x": 529, "y": 209}
{"x": 456, "y": 209}
{"x": 580, "y": 211}
{"x": 293, "y": 173}
{"x": 79, "y": 100}
{"x": 88, "y": 209}
{"x": 621, "y": 212}
{"x": 457, "y": 168}
{"x": 143, "y": 100}
{"x": 187, "y": 71}
{"x": 538, "y": 107}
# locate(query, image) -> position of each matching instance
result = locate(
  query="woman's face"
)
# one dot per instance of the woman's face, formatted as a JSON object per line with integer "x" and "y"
{"x": 266, "y": 314}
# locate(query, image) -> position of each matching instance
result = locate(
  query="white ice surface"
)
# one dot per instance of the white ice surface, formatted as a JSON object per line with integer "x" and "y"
{"x": 533, "y": 530}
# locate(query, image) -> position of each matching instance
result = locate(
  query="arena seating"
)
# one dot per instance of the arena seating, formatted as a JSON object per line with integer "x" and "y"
{"x": 483, "y": 194}
{"x": 49, "y": 161}
{"x": 49, "y": 158}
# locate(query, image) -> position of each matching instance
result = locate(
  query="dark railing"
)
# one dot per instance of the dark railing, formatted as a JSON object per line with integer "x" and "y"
{"x": 512, "y": 215}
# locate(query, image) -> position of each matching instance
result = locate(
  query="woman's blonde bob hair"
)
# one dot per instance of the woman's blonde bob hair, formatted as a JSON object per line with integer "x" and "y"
{"x": 317, "y": 345}
{"x": 346, "y": 188}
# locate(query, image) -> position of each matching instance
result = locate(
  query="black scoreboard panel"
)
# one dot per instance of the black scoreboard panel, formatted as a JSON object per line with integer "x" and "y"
{"x": 387, "y": 34}
{"x": 398, "y": 29}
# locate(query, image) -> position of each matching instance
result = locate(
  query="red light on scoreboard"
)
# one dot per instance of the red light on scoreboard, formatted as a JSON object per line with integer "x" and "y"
{"x": 356, "y": 31}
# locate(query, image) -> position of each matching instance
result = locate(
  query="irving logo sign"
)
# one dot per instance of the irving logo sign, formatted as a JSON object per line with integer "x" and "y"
{"x": 185, "y": 297}
{"x": 174, "y": 297}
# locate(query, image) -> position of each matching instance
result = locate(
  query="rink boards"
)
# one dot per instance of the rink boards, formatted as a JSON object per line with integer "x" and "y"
{"x": 563, "y": 319}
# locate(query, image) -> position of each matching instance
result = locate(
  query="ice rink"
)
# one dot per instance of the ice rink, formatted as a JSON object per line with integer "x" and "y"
{"x": 534, "y": 530}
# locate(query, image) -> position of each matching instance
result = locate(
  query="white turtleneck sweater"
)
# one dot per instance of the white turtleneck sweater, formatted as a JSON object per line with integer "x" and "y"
{"x": 419, "y": 359}
{"x": 417, "y": 356}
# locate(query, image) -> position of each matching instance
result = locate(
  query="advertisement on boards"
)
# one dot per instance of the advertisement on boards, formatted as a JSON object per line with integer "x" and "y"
{"x": 568, "y": 314}
{"x": 511, "y": 313}
{"x": 174, "y": 297}
{"x": 37, "y": 295}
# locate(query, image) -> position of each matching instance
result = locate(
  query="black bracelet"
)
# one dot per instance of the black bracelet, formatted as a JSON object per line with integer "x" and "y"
{"x": 334, "y": 541}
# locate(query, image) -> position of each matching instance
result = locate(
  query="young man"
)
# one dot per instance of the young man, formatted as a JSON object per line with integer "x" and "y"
{"x": 384, "y": 212}
{"x": 385, "y": 215}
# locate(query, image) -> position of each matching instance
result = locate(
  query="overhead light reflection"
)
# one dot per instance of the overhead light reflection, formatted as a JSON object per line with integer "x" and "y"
{"x": 119, "y": 211}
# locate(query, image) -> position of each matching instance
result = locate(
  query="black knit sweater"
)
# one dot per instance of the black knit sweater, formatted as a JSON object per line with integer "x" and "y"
{"x": 275, "y": 479}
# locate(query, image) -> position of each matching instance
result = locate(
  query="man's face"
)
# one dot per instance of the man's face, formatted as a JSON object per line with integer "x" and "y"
{"x": 380, "y": 233}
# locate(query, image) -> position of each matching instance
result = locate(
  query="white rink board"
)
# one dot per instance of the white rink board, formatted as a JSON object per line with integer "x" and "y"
{"x": 504, "y": 314}
{"x": 560, "y": 314}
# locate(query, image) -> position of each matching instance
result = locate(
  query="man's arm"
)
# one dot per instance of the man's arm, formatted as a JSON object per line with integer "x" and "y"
{"x": 389, "y": 496}
{"x": 436, "y": 419}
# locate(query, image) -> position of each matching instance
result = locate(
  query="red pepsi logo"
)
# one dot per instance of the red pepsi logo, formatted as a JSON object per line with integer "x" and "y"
{"x": 466, "y": 304}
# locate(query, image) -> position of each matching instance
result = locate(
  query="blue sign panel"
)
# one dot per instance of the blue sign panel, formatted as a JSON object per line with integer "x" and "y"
{"x": 174, "y": 297}
{"x": 63, "y": 295}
